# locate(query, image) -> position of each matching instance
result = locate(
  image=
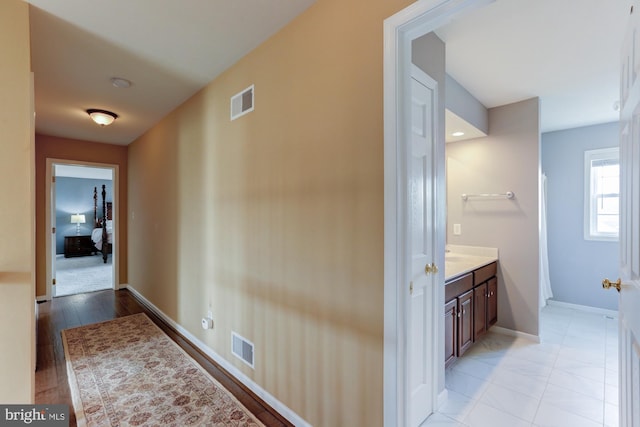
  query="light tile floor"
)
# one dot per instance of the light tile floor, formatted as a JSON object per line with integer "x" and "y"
{"x": 569, "y": 379}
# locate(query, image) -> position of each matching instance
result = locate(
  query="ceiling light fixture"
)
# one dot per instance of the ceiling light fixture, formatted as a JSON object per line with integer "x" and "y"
{"x": 120, "y": 82}
{"x": 457, "y": 134}
{"x": 102, "y": 117}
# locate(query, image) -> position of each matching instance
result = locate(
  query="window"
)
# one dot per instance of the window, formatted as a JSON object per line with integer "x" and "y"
{"x": 601, "y": 194}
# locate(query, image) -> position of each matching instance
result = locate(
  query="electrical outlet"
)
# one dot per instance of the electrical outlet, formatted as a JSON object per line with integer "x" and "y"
{"x": 457, "y": 229}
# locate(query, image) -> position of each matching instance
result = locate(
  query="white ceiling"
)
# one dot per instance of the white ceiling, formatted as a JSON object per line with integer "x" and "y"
{"x": 567, "y": 52}
{"x": 564, "y": 51}
{"x": 169, "y": 49}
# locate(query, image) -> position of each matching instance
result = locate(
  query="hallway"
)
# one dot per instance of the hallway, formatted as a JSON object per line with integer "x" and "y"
{"x": 82, "y": 309}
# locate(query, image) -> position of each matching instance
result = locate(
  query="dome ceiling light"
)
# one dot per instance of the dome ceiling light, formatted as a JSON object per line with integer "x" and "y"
{"x": 121, "y": 83}
{"x": 102, "y": 117}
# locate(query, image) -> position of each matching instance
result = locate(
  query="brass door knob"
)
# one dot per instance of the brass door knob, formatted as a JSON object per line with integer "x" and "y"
{"x": 607, "y": 284}
{"x": 430, "y": 268}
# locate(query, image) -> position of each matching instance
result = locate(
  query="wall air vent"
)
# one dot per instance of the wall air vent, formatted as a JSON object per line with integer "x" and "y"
{"x": 242, "y": 348}
{"x": 242, "y": 103}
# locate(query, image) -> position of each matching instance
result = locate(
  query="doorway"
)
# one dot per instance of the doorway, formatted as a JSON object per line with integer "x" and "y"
{"x": 79, "y": 218}
{"x": 398, "y": 36}
{"x": 400, "y": 31}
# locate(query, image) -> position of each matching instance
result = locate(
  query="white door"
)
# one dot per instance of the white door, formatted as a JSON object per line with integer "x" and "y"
{"x": 421, "y": 241}
{"x": 53, "y": 249}
{"x": 629, "y": 302}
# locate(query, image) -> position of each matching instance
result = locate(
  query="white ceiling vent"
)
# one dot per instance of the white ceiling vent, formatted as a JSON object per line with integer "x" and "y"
{"x": 242, "y": 348}
{"x": 242, "y": 103}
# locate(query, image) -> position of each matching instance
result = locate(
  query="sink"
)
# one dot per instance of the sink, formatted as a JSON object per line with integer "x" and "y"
{"x": 455, "y": 258}
{"x": 460, "y": 259}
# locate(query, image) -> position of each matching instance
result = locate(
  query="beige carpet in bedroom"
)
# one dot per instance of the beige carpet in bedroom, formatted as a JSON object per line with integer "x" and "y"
{"x": 82, "y": 274}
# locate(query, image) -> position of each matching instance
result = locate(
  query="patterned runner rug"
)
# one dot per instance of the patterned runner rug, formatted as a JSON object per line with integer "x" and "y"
{"x": 128, "y": 372}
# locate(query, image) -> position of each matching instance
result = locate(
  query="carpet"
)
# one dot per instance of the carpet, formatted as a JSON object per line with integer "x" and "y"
{"x": 128, "y": 372}
{"x": 82, "y": 274}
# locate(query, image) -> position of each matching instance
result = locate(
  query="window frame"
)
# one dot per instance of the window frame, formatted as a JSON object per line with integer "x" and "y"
{"x": 612, "y": 153}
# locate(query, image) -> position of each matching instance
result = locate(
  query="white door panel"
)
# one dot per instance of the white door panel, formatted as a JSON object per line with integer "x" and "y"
{"x": 53, "y": 249}
{"x": 421, "y": 246}
{"x": 629, "y": 302}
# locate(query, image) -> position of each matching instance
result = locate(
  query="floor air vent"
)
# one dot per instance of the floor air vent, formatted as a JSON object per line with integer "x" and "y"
{"x": 242, "y": 348}
{"x": 242, "y": 103}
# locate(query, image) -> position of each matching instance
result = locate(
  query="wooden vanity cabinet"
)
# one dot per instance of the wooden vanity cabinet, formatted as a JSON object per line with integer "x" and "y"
{"x": 486, "y": 299}
{"x": 471, "y": 308}
{"x": 465, "y": 322}
{"x": 483, "y": 274}
{"x": 479, "y": 311}
{"x": 492, "y": 301}
{"x": 450, "y": 331}
{"x": 458, "y": 315}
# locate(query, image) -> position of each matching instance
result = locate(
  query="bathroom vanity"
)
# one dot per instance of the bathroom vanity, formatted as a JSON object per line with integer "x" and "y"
{"x": 471, "y": 297}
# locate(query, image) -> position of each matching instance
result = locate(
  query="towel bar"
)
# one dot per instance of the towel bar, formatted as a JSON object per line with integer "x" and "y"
{"x": 507, "y": 195}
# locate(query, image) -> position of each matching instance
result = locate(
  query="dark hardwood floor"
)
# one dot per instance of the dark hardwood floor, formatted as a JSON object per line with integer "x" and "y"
{"x": 77, "y": 310}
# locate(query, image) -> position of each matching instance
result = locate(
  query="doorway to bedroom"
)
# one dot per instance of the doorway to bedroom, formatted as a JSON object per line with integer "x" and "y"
{"x": 81, "y": 213}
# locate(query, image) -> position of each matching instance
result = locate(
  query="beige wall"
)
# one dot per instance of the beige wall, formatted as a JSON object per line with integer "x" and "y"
{"x": 51, "y": 147}
{"x": 506, "y": 160}
{"x": 275, "y": 220}
{"x": 17, "y": 324}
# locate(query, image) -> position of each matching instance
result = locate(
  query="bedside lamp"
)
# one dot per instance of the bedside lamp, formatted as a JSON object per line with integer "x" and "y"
{"x": 77, "y": 219}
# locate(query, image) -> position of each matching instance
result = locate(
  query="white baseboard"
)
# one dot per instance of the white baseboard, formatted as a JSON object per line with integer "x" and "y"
{"x": 583, "y": 308}
{"x": 41, "y": 298}
{"x": 270, "y": 400}
{"x": 517, "y": 334}
{"x": 442, "y": 399}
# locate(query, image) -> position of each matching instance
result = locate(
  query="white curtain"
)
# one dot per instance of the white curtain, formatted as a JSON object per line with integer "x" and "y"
{"x": 545, "y": 282}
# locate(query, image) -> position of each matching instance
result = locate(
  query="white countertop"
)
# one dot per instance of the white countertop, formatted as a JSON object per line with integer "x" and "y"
{"x": 460, "y": 259}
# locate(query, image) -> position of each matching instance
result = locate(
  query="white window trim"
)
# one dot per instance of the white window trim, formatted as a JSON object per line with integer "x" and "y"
{"x": 589, "y": 156}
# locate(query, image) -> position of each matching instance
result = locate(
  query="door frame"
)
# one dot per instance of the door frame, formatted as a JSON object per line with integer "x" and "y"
{"x": 49, "y": 206}
{"x": 400, "y": 30}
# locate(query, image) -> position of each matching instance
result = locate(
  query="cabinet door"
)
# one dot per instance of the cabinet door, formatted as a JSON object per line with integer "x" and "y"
{"x": 492, "y": 301}
{"x": 465, "y": 322}
{"x": 450, "y": 331}
{"x": 479, "y": 311}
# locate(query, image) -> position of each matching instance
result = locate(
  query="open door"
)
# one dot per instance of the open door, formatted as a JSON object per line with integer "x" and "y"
{"x": 52, "y": 249}
{"x": 629, "y": 283}
{"x": 50, "y": 227}
{"x": 76, "y": 169}
{"x": 421, "y": 234}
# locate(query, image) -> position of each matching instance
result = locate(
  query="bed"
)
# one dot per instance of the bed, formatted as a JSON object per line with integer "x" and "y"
{"x": 102, "y": 234}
